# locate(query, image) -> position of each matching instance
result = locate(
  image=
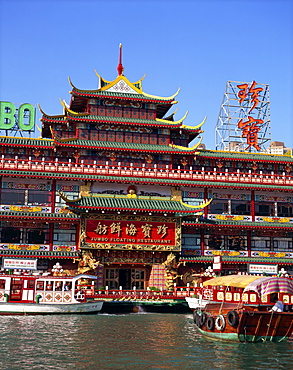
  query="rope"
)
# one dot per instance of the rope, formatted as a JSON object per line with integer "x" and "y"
{"x": 269, "y": 325}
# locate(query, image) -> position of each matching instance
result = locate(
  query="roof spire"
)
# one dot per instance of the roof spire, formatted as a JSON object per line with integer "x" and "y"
{"x": 120, "y": 68}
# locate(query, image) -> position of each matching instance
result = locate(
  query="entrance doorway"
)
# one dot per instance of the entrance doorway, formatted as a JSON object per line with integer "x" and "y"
{"x": 125, "y": 278}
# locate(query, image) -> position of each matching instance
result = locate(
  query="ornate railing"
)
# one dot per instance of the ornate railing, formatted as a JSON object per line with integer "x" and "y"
{"x": 149, "y": 171}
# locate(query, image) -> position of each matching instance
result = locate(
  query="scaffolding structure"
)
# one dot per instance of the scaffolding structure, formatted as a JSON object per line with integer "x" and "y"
{"x": 244, "y": 119}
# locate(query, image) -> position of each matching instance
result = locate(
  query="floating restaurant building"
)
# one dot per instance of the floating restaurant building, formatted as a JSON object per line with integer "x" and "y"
{"x": 116, "y": 176}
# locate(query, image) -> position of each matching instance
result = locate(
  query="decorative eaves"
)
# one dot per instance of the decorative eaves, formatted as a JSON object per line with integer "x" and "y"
{"x": 140, "y": 205}
{"x": 38, "y": 254}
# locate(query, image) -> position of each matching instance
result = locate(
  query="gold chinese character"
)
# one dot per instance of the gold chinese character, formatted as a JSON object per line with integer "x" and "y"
{"x": 162, "y": 229}
{"x": 131, "y": 229}
{"x": 101, "y": 229}
{"x": 116, "y": 228}
{"x": 146, "y": 229}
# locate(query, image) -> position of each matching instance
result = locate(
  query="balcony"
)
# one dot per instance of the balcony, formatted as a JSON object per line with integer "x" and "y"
{"x": 144, "y": 171}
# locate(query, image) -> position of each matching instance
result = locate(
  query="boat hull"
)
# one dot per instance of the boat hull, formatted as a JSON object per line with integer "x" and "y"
{"x": 252, "y": 326}
{"x": 136, "y": 306}
{"x": 7, "y": 308}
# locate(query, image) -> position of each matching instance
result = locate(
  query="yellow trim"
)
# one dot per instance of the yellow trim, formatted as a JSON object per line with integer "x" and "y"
{"x": 199, "y": 206}
{"x": 25, "y": 138}
{"x": 74, "y": 113}
{"x": 130, "y": 84}
{"x": 61, "y": 140}
{"x": 63, "y": 196}
{"x": 196, "y": 127}
{"x": 172, "y": 122}
{"x": 47, "y": 115}
{"x": 186, "y": 148}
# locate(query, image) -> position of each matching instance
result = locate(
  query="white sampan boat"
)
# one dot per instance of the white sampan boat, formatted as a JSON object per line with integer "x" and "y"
{"x": 42, "y": 295}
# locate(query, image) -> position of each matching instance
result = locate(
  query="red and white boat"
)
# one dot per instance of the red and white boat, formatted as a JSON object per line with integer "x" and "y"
{"x": 42, "y": 295}
{"x": 243, "y": 308}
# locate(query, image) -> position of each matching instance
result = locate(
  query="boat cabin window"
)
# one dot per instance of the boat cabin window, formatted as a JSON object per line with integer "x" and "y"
{"x": 49, "y": 285}
{"x": 40, "y": 285}
{"x": 30, "y": 284}
{"x": 58, "y": 285}
{"x": 67, "y": 286}
{"x": 2, "y": 283}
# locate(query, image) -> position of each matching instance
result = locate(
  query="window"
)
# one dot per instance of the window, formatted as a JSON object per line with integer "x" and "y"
{"x": 264, "y": 209}
{"x": 12, "y": 196}
{"x": 239, "y": 208}
{"x": 36, "y": 237}
{"x": 10, "y": 235}
{"x": 111, "y": 278}
{"x": 285, "y": 210}
{"x": 38, "y": 197}
{"x": 218, "y": 206}
{"x": 260, "y": 243}
{"x": 137, "y": 278}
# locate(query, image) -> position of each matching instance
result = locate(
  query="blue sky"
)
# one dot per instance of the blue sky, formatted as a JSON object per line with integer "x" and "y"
{"x": 195, "y": 45}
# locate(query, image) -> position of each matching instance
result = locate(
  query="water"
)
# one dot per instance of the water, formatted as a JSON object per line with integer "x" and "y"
{"x": 135, "y": 341}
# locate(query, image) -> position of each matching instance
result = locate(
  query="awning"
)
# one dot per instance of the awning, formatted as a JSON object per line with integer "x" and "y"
{"x": 268, "y": 285}
{"x": 237, "y": 281}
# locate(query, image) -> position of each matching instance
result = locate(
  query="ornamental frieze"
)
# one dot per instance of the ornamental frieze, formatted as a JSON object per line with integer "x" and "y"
{"x": 25, "y": 247}
{"x": 161, "y": 248}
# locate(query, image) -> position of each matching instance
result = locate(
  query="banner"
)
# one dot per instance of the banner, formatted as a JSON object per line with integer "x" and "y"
{"x": 131, "y": 232}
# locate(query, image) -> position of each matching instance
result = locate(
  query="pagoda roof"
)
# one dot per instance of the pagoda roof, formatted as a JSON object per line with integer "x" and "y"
{"x": 26, "y": 142}
{"x": 38, "y": 254}
{"x": 122, "y": 88}
{"x": 85, "y": 117}
{"x": 236, "y": 156}
{"x": 122, "y": 146}
{"x": 139, "y": 204}
{"x": 40, "y": 216}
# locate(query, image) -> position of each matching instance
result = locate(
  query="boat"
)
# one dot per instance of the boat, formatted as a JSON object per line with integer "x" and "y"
{"x": 243, "y": 309}
{"x": 120, "y": 306}
{"x": 42, "y": 295}
{"x": 197, "y": 302}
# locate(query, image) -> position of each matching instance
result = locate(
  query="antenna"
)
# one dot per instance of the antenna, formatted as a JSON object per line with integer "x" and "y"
{"x": 120, "y": 68}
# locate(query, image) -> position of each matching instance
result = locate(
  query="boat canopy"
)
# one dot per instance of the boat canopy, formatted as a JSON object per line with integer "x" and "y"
{"x": 237, "y": 281}
{"x": 268, "y": 285}
{"x": 262, "y": 285}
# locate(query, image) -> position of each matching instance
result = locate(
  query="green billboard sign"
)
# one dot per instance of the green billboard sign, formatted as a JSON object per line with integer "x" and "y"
{"x": 10, "y": 116}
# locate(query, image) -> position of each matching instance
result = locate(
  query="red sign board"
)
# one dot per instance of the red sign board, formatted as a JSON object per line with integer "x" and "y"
{"x": 131, "y": 232}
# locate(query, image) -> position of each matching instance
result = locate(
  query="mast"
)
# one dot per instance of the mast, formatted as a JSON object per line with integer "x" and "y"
{"x": 120, "y": 68}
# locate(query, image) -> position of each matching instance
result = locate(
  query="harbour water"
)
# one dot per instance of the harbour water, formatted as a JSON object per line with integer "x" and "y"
{"x": 134, "y": 341}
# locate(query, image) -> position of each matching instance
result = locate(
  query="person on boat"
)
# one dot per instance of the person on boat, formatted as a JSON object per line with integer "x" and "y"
{"x": 278, "y": 306}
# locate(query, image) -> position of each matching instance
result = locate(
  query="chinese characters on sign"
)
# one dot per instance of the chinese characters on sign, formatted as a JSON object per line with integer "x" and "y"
{"x": 259, "y": 269}
{"x": 251, "y": 127}
{"x": 23, "y": 264}
{"x": 131, "y": 232}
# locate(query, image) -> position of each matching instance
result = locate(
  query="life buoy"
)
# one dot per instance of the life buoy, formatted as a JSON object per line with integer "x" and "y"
{"x": 202, "y": 319}
{"x": 210, "y": 323}
{"x": 220, "y": 323}
{"x": 232, "y": 317}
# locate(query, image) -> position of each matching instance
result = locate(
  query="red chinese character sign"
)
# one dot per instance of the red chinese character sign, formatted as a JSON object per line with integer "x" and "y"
{"x": 136, "y": 233}
{"x": 244, "y": 120}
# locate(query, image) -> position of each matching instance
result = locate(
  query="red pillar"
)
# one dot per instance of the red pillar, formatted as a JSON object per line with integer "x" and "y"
{"x": 252, "y": 204}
